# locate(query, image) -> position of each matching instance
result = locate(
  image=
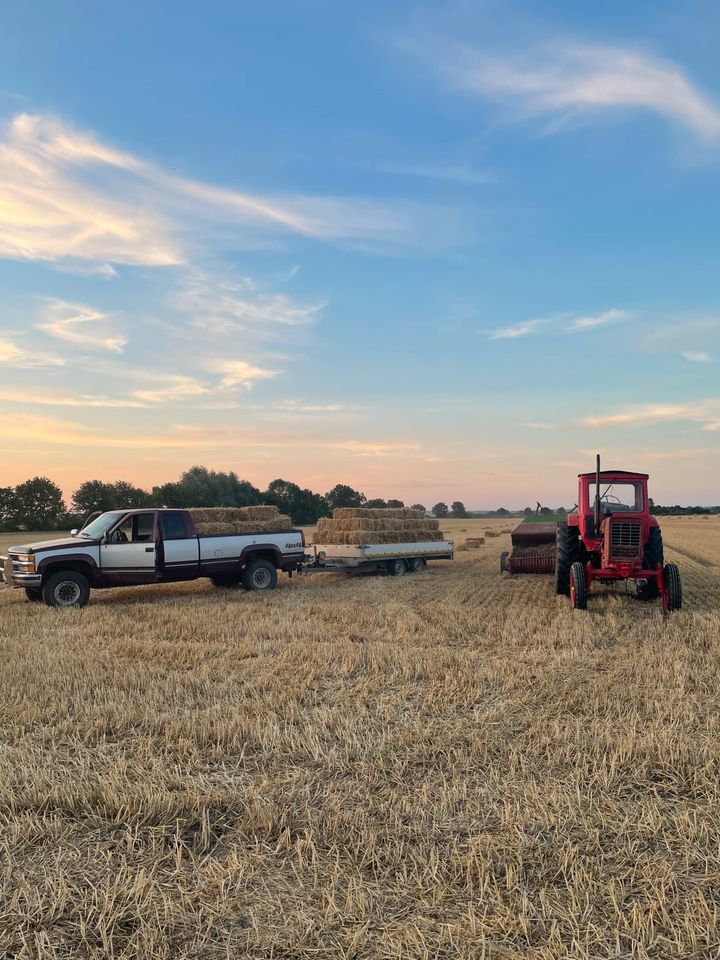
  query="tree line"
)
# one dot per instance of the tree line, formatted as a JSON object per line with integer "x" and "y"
{"x": 38, "y": 504}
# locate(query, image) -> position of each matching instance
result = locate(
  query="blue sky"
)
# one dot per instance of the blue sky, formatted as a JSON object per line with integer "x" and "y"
{"x": 437, "y": 251}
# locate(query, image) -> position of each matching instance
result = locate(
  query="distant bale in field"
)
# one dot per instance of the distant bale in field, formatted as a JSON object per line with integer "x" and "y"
{"x": 492, "y": 533}
{"x": 472, "y": 543}
{"x": 257, "y": 519}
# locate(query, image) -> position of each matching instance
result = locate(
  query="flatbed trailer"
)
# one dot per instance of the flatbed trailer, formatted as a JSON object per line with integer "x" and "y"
{"x": 393, "y": 558}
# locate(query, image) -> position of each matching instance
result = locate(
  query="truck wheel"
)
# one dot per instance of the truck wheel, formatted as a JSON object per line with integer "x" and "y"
{"x": 259, "y": 575}
{"x": 397, "y": 568}
{"x": 33, "y": 595}
{"x": 578, "y": 587}
{"x": 226, "y": 579}
{"x": 567, "y": 552}
{"x": 672, "y": 596}
{"x": 652, "y": 556}
{"x": 417, "y": 564}
{"x": 66, "y": 589}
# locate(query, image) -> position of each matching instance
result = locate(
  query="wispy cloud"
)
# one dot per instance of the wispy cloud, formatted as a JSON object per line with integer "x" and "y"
{"x": 706, "y": 413}
{"x": 697, "y": 357}
{"x": 243, "y": 374}
{"x": 14, "y": 355}
{"x": 454, "y": 172}
{"x": 80, "y": 325}
{"x": 516, "y": 330}
{"x": 590, "y": 321}
{"x": 65, "y": 194}
{"x": 572, "y": 78}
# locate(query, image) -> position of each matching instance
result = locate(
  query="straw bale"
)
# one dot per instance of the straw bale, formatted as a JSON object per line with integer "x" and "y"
{"x": 220, "y": 525}
{"x": 233, "y": 514}
{"x": 379, "y": 513}
{"x": 328, "y": 533}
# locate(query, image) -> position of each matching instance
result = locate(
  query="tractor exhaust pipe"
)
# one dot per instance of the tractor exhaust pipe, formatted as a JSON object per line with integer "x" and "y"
{"x": 597, "y": 496}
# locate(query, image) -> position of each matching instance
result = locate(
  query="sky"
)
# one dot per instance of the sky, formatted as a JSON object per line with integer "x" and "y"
{"x": 438, "y": 251}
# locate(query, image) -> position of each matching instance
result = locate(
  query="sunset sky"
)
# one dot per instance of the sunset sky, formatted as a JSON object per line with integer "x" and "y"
{"x": 435, "y": 251}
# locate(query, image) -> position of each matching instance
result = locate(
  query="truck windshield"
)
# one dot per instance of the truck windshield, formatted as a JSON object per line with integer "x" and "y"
{"x": 616, "y": 497}
{"x": 101, "y": 524}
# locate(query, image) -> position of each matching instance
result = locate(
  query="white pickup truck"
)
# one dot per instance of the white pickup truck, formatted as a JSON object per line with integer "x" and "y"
{"x": 129, "y": 547}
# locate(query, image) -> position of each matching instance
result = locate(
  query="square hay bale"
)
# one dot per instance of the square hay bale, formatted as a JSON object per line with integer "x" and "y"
{"x": 379, "y": 513}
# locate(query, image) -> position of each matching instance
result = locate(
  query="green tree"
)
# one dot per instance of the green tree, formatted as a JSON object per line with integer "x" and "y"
{"x": 395, "y": 504}
{"x": 37, "y": 504}
{"x": 342, "y": 495}
{"x": 419, "y": 506}
{"x": 458, "y": 509}
{"x": 302, "y": 505}
{"x": 167, "y": 495}
{"x": 93, "y": 495}
{"x": 528, "y": 512}
{"x": 440, "y": 510}
{"x": 128, "y": 495}
{"x": 6, "y": 507}
{"x": 377, "y": 504}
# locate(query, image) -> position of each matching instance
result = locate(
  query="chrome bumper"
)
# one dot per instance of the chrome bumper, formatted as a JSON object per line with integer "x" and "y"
{"x": 11, "y": 574}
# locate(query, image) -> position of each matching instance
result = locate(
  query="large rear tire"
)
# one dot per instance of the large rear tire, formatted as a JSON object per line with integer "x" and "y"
{"x": 673, "y": 598}
{"x": 259, "y": 575}
{"x": 567, "y": 552}
{"x": 578, "y": 587}
{"x": 652, "y": 556}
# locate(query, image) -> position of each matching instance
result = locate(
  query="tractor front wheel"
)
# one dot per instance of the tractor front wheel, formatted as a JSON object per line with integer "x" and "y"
{"x": 567, "y": 551}
{"x": 578, "y": 587}
{"x": 652, "y": 556}
{"x": 672, "y": 594}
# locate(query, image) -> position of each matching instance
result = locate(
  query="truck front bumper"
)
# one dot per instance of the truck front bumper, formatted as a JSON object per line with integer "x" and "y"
{"x": 14, "y": 573}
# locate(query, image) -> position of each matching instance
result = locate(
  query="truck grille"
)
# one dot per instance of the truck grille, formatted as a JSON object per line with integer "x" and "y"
{"x": 625, "y": 541}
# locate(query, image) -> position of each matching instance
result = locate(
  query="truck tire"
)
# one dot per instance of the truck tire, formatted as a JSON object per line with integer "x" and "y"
{"x": 66, "y": 588}
{"x": 578, "y": 587}
{"x": 652, "y": 556}
{"x": 33, "y": 595}
{"x": 226, "y": 579}
{"x": 567, "y": 552}
{"x": 397, "y": 568}
{"x": 259, "y": 575}
{"x": 674, "y": 587}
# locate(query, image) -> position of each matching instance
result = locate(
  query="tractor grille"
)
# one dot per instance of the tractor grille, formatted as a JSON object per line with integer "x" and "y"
{"x": 625, "y": 541}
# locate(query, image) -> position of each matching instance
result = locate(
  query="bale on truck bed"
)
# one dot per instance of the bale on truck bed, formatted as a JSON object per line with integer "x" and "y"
{"x": 257, "y": 519}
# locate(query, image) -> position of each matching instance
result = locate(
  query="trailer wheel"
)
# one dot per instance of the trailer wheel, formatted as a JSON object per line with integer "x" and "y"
{"x": 397, "y": 568}
{"x": 259, "y": 575}
{"x": 567, "y": 552}
{"x": 672, "y": 595}
{"x": 652, "y": 556}
{"x": 66, "y": 589}
{"x": 33, "y": 595}
{"x": 578, "y": 587}
{"x": 417, "y": 564}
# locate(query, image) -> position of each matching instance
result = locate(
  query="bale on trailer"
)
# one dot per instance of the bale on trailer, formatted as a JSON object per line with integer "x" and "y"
{"x": 377, "y": 513}
{"x": 357, "y": 526}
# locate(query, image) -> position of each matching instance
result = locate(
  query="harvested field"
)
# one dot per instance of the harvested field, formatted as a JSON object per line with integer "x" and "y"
{"x": 449, "y": 764}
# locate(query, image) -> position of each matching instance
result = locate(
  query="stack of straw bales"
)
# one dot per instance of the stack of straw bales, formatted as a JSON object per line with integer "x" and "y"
{"x": 360, "y": 525}
{"x": 260, "y": 519}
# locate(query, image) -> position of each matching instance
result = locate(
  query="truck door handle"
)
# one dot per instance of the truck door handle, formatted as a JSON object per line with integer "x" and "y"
{"x": 149, "y": 549}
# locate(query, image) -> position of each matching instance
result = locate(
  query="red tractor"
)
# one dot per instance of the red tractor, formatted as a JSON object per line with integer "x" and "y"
{"x": 613, "y": 537}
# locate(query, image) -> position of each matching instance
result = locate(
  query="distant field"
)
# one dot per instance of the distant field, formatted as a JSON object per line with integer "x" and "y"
{"x": 450, "y": 764}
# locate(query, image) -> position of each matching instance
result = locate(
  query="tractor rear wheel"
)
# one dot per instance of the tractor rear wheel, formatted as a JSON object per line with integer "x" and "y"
{"x": 652, "y": 556}
{"x": 567, "y": 552}
{"x": 672, "y": 595}
{"x": 578, "y": 587}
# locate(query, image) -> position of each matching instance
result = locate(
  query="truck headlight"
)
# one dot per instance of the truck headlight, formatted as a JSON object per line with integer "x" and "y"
{"x": 27, "y": 562}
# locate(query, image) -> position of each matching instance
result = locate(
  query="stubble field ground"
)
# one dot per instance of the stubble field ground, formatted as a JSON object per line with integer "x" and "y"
{"x": 450, "y": 764}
